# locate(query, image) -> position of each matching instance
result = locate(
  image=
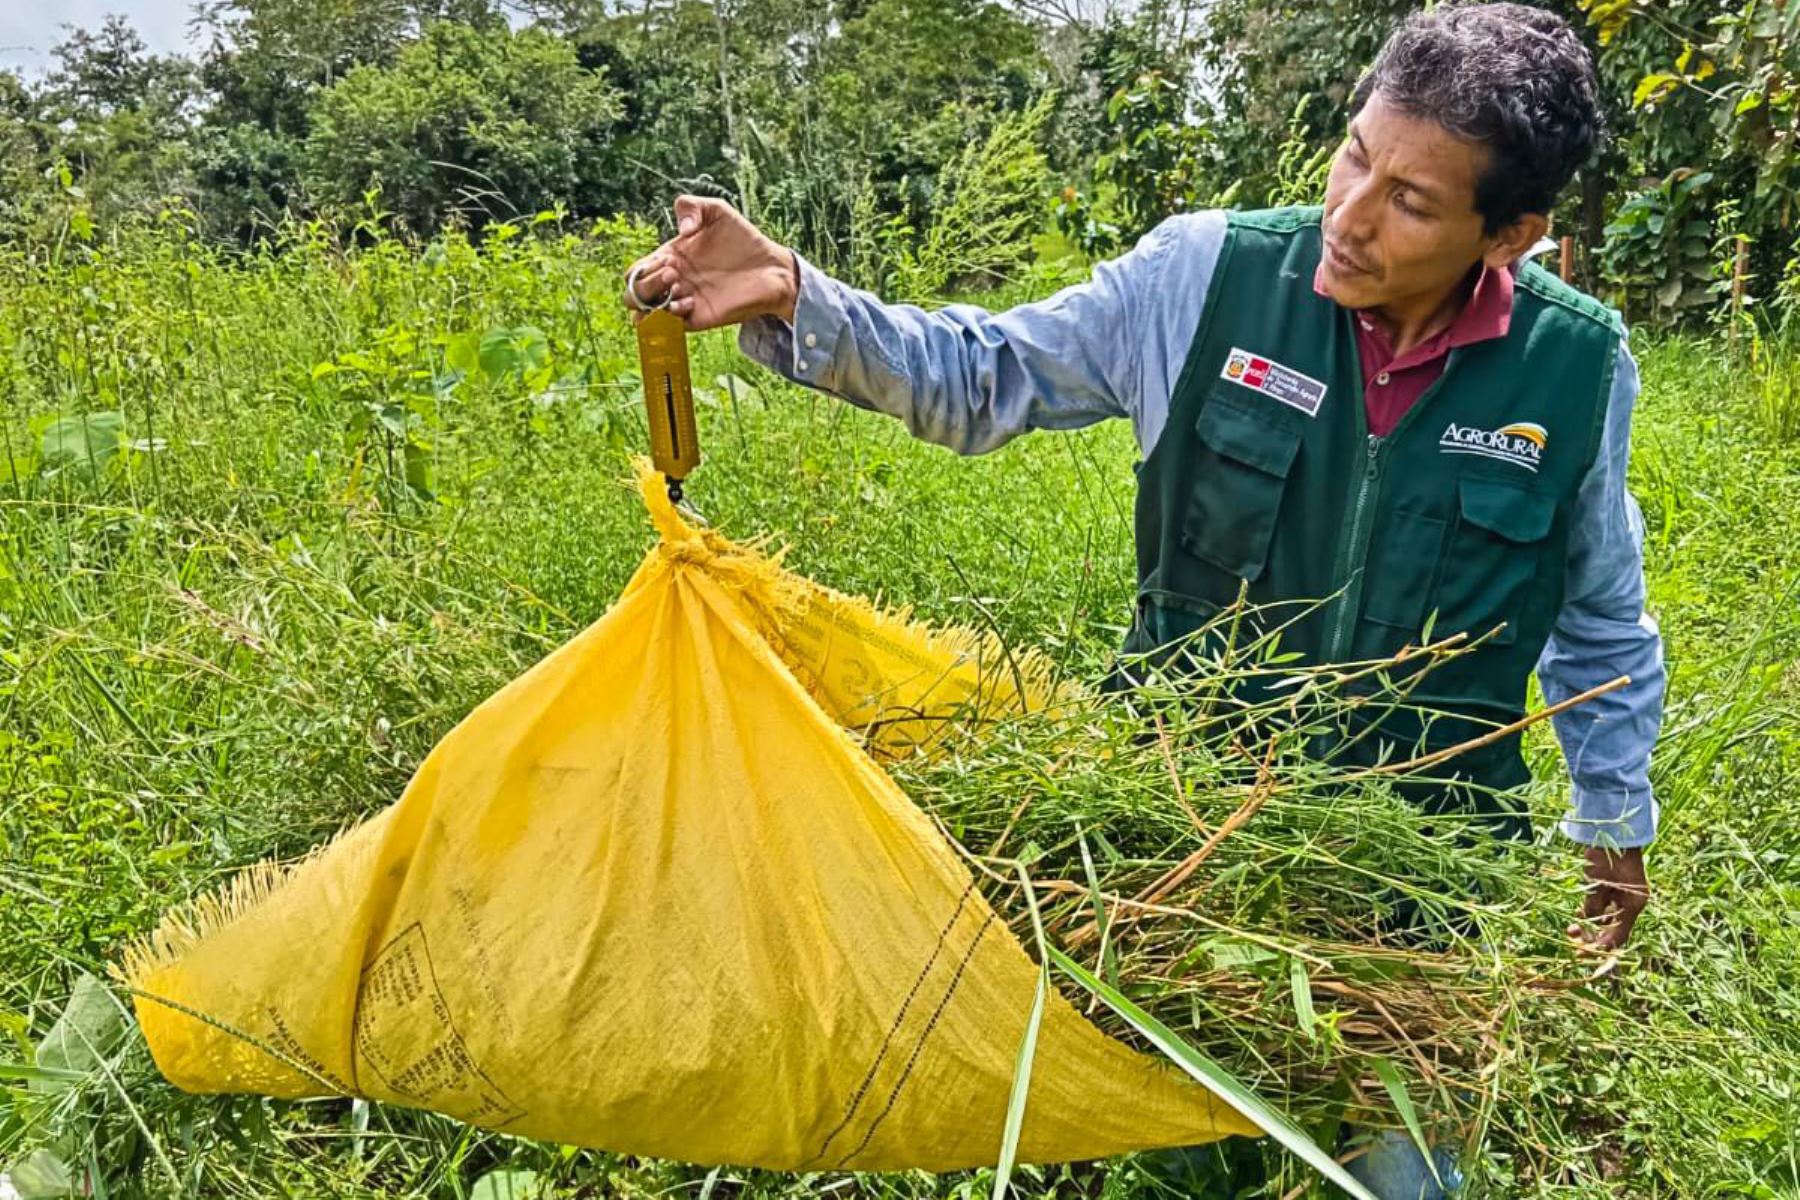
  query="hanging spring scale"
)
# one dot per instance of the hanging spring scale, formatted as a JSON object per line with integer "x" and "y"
{"x": 668, "y": 390}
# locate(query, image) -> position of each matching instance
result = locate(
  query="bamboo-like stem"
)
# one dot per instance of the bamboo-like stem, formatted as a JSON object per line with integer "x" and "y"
{"x": 1492, "y": 736}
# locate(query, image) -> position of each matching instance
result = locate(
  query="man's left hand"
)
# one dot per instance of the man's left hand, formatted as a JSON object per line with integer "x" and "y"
{"x": 1617, "y": 893}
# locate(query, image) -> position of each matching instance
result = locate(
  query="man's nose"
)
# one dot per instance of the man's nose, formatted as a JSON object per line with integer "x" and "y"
{"x": 1356, "y": 216}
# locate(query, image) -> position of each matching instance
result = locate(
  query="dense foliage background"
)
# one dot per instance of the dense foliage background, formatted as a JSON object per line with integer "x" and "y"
{"x": 841, "y": 125}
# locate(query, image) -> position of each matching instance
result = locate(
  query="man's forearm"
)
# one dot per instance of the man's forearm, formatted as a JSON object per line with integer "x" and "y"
{"x": 1607, "y": 741}
{"x": 1602, "y": 633}
{"x": 962, "y": 376}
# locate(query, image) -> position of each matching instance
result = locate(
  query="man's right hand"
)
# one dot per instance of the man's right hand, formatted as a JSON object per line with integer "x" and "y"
{"x": 719, "y": 269}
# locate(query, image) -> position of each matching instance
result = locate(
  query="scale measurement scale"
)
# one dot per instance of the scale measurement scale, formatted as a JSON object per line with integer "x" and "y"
{"x": 668, "y": 397}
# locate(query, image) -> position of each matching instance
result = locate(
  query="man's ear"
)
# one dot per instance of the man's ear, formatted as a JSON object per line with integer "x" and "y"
{"x": 1512, "y": 241}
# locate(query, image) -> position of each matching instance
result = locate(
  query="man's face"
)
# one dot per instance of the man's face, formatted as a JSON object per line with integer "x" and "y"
{"x": 1400, "y": 218}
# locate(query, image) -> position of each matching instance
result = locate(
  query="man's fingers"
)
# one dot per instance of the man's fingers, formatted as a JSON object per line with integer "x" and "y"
{"x": 1608, "y": 917}
{"x": 693, "y": 213}
{"x": 1599, "y": 898}
{"x": 655, "y": 279}
{"x": 1618, "y": 891}
{"x": 1617, "y": 931}
{"x": 1597, "y": 908}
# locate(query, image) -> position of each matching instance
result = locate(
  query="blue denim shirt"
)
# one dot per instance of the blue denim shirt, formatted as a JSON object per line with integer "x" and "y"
{"x": 971, "y": 380}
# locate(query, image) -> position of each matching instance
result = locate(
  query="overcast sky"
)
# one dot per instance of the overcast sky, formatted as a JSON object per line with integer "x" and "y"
{"x": 28, "y": 28}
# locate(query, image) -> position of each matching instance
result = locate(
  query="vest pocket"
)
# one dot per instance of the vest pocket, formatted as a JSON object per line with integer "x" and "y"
{"x": 1493, "y": 557}
{"x": 1401, "y": 566}
{"x": 1239, "y": 475}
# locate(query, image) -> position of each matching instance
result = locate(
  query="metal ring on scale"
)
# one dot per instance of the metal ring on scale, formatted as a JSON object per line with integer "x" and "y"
{"x": 642, "y": 305}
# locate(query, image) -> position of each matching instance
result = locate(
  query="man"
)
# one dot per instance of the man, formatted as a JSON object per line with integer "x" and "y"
{"x": 1376, "y": 402}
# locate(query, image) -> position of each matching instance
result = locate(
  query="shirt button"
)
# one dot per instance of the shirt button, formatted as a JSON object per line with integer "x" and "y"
{"x": 1366, "y": 324}
{"x": 799, "y": 364}
{"x": 1383, "y": 378}
{"x": 812, "y": 339}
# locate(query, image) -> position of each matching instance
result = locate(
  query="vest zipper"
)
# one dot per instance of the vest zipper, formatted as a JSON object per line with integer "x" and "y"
{"x": 1337, "y": 647}
{"x": 1356, "y": 549}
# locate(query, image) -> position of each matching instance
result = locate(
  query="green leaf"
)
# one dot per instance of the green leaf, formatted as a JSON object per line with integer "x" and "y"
{"x": 40, "y": 1075}
{"x": 17, "y": 466}
{"x": 498, "y": 355}
{"x": 1231, "y": 952}
{"x": 1216, "y": 1079}
{"x": 85, "y": 443}
{"x": 737, "y": 389}
{"x": 1652, "y": 88}
{"x": 14, "y": 1025}
{"x": 1300, "y": 984}
{"x": 1693, "y": 182}
{"x": 504, "y": 351}
{"x": 1021, "y": 1086}
{"x": 90, "y": 1027}
{"x": 420, "y": 476}
{"x": 41, "y": 1175}
{"x": 463, "y": 352}
{"x": 504, "y": 1184}
{"x": 443, "y": 385}
{"x": 172, "y": 853}
{"x": 392, "y": 418}
{"x": 1109, "y": 962}
{"x": 1389, "y": 1075}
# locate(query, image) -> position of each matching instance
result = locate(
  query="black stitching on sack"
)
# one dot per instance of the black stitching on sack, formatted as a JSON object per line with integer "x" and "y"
{"x": 862, "y": 1088}
{"x": 912, "y": 1060}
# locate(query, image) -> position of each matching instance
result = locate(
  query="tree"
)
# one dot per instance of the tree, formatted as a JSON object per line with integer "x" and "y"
{"x": 861, "y": 102}
{"x": 665, "y": 59}
{"x": 1714, "y": 112}
{"x": 20, "y": 158}
{"x": 467, "y": 124}
{"x": 1265, "y": 57}
{"x": 265, "y": 66}
{"x": 118, "y": 115}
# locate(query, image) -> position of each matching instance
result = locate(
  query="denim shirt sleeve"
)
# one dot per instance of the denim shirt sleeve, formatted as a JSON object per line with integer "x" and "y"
{"x": 1601, "y": 633}
{"x": 970, "y": 379}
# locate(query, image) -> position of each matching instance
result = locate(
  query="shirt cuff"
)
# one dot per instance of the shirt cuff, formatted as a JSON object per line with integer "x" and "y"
{"x": 806, "y": 350}
{"x": 1614, "y": 818}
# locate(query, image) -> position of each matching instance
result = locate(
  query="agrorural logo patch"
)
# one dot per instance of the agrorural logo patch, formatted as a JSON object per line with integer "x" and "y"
{"x": 1521, "y": 443}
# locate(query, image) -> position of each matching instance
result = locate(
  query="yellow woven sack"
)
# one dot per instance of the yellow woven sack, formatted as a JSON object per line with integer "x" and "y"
{"x": 653, "y": 896}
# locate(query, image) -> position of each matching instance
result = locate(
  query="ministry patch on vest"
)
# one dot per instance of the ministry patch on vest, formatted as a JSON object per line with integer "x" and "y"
{"x": 1274, "y": 380}
{"x": 1521, "y": 443}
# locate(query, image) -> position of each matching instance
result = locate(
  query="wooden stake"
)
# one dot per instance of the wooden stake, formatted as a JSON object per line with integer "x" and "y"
{"x": 1568, "y": 258}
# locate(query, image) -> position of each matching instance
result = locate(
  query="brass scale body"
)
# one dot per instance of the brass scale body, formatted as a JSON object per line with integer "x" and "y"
{"x": 668, "y": 397}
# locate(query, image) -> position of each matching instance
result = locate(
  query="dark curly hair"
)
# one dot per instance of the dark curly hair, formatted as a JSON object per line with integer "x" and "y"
{"x": 1515, "y": 79}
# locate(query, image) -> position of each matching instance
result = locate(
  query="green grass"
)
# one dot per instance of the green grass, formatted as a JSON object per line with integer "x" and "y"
{"x": 229, "y": 642}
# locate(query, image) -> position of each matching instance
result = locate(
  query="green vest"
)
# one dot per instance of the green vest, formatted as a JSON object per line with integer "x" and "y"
{"x": 1266, "y": 479}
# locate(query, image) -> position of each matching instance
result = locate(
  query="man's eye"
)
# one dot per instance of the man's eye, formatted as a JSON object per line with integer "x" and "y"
{"x": 1400, "y": 202}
